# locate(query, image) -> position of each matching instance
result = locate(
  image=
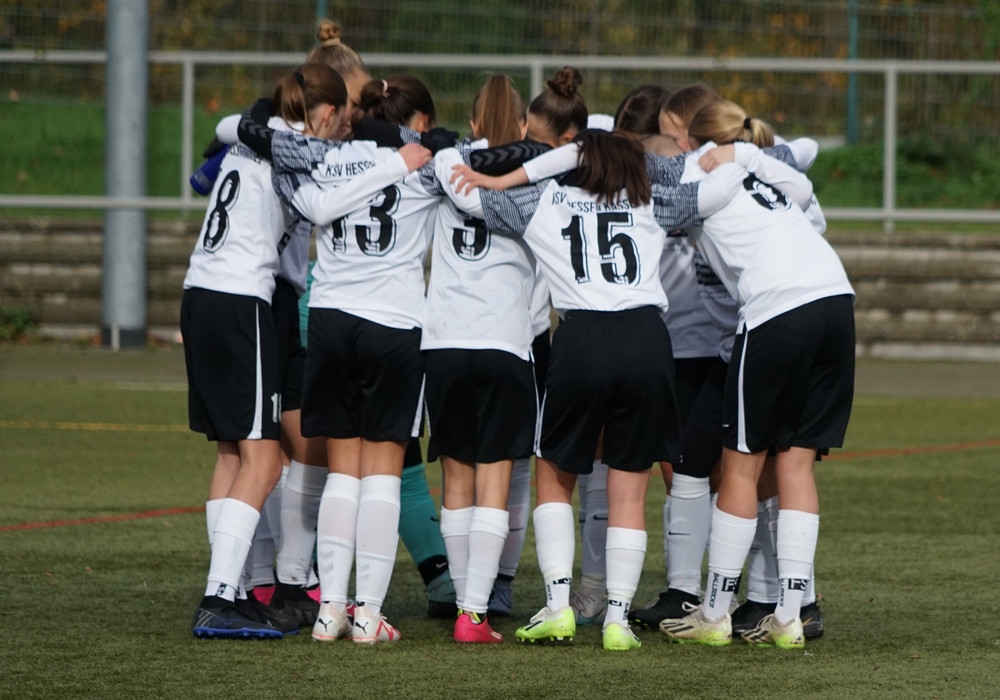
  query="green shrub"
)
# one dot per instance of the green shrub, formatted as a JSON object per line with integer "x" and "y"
{"x": 16, "y": 322}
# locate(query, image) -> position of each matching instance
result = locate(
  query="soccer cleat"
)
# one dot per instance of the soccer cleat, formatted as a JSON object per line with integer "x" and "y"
{"x": 746, "y": 617}
{"x": 441, "y": 597}
{"x": 263, "y": 593}
{"x": 372, "y": 629}
{"x": 588, "y": 605}
{"x": 331, "y": 623}
{"x": 770, "y": 633}
{"x": 693, "y": 628}
{"x": 314, "y": 593}
{"x": 812, "y": 621}
{"x": 279, "y": 619}
{"x": 473, "y": 628}
{"x": 218, "y": 618}
{"x": 294, "y": 600}
{"x": 618, "y": 637}
{"x": 549, "y": 626}
{"x": 671, "y": 603}
{"x": 502, "y": 598}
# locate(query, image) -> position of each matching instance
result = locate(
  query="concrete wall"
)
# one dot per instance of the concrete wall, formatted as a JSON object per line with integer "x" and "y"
{"x": 920, "y": 296}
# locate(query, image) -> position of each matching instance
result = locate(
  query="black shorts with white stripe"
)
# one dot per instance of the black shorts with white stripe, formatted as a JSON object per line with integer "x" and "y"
{"x": 791, "y": 379}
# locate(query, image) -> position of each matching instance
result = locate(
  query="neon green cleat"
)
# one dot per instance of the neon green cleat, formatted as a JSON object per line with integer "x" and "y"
{"x": 695, "y": 629}
{"x": 770, "y": 633}
{"x": 549, "y": 626}
{"x": 618, "y": 637}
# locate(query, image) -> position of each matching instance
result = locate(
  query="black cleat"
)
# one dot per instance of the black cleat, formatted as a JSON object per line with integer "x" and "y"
{"x": 746, "y": 617}
{"x": 672, "y": 603}
{"x": 278, "y": 619}
{"x": 293, "y": 600}
{"x": 812, "y": 621}
{"x": 218, "y": 618}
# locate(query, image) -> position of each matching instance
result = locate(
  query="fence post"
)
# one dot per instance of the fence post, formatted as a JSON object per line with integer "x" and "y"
{"x": 889, "y": 148}
{"x": 123, "y": 311}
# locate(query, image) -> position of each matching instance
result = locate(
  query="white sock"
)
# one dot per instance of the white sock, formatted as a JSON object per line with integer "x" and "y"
{"x": 378, "y": 539}
{"x": 212, "y": 517}
{"x": 689, "y": 511}
{"x": 518, "y": 506}
{"x": 730, "y": 542}
{"x": 666, "y": 538}
{"x": 455, "y": 526}
{"x": 259, "y": 567}
{"x": 336, "y": 532}
{"x": 594, "y": 531}
{"x": 762, "y": 561}
{"x": 300, "y": 501}
{"x": 555, "y": 541}
{"x": 797, "y": 535}
{"x": 626, "y": 551}
{"x": 486, "y": 537}
{"x": 259, "y": 570}
{"x": 809, "y": 596}
{"x": 234, "y": 530}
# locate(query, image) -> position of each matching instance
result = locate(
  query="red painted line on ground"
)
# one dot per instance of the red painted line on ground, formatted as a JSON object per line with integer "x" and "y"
{"x": 103, "y": 519}
{"x": 860, "y": 454}
{"x": 903, "y": 451}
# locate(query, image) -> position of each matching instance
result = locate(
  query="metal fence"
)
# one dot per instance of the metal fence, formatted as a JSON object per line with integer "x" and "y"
{"x": 608, "y": 72}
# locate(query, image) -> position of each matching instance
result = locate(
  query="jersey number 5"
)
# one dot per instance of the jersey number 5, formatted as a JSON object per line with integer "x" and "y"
{"x": 619, "y": 255}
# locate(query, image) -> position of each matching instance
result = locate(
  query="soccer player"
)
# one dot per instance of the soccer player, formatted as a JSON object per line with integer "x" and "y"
{"x": 480, "y": 387}
{"x": 365, "y": 311}
{"x": 790, "y": 382}
{"x": 598, "y": 241}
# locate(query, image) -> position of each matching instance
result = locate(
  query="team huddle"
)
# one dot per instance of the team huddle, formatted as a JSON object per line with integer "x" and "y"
{"x": 704, "y": 326}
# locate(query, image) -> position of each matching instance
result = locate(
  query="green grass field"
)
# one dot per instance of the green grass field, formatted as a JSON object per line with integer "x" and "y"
{"x": 98, "y": 601}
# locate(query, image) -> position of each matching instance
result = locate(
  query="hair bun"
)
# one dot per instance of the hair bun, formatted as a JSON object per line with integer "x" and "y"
{"x": 565, "y": 82}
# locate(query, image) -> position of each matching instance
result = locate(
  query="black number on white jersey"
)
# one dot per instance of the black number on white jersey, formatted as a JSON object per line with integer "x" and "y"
{"x": 217, "y": 223}
{"x": 619, "y": 254}
{"x": 764, "y": 194}
{"x": 380, "y": 241}
{"x": 471, "y": 242}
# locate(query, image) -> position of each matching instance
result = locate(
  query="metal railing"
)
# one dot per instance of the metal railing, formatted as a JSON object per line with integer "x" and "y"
{"x": 537, "y": 65}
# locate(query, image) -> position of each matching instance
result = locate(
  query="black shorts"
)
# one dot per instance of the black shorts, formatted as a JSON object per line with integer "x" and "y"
{"x": 791, "y": 379}
{"x": 701, "y": 437}
{"x": 481, "y": 405}
{"x": 362, "y": 379}
{"x": 231, "y": 353}
{"x": 691, "y": 374}
{"x": 613, "y": 370}
{"x": 292, "y": 354}
{"x": 541, "y": 351}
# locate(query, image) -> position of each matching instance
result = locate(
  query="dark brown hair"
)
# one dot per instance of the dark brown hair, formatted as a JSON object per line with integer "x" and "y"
{"x": 639, "y": 111}
{"x": 397, "y": 99}
{"x": 610, "y": 162}
{"x": 309, "y": 85}
{"x": 560, "y": 105}
{"x": 498, "y": 111}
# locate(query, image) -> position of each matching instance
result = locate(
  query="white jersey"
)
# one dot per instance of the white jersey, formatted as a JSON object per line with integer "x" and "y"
{"x": 540, "y": 308}
{"x": 373, "y": 221}
{"x": 237, "y": 248}
{"x": 599, "y": 256}
{"x": 764, "y": 248}
{"x": 481, "y": 282}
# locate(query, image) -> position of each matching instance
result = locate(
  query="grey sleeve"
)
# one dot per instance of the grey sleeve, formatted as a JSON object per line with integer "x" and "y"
{"x": 511, "y": 210}
{"x": 676, "y": 207}
{"x": 663, "y": 170}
